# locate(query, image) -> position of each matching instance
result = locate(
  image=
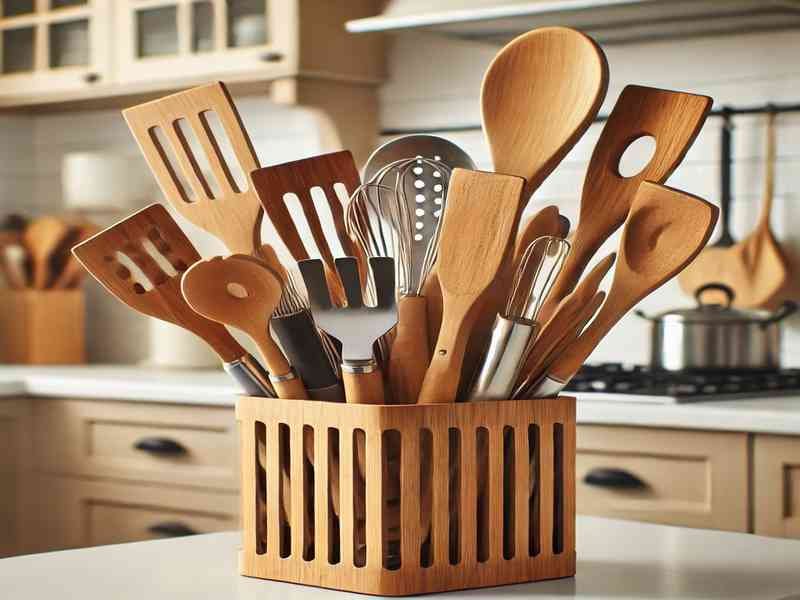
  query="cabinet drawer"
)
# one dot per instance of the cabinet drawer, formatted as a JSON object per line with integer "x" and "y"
{"x": 776, "y": 485}
{"x": 180, "y": 445}
{"x": 678, "y": 477}
{"x": 77, "y": 513}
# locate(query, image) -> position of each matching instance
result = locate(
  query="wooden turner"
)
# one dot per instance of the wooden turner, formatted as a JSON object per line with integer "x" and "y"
{"x": 233, "y": 215}
{"x": 674, "y": 119}
{"x": 150, "y": 242}
{"x": 42, "y": 237}
{"x": 243, "y": 292}
{"x": 665, "y": 230}
{"x": 478, "y": 227}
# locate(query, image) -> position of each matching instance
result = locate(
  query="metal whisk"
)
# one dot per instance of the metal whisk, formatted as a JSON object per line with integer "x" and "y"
{"x": 516, "y": 329}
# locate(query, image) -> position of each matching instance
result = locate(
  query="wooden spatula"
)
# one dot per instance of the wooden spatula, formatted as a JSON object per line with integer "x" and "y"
{"x": 674, "y": 119}
{"x": 233, "y": 214}
{"x": 545, "y": 222}
{"x": 42, "y": 237}
{"x": 545, "y": 70}
{"x": 478, "y": 227}
{"x": 151, "y": 243}
{"x": 243, "y": 292}
{"x": 666, "y": 229}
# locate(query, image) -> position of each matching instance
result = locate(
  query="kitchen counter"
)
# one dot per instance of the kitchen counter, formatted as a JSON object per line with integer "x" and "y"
{"x": 775, "y": 415}
{"x": 616, "y": 559}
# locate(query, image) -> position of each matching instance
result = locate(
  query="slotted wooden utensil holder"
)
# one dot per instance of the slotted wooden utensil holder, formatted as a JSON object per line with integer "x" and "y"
{"x": 449, "y": 537}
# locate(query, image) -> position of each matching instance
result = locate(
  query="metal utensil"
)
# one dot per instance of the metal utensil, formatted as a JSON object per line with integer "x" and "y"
{"x": 139, "y": 261}
{"x": 517, "y": 325}
{"x": 356, "y": 326}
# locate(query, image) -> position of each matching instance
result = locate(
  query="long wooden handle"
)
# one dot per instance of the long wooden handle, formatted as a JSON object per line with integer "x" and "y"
{"x": 441, "y": 382}
{"x": 432, "y": 290}
{"x": 410, "y": 351}
{"x": 363, "y": 388}
{"x": 292, "y": 389}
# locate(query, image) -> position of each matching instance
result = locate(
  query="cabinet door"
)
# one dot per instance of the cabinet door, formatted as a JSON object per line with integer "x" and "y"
{"x": 52, "y": 46}
{"x": 14, "y": 466}
{"x": 184, "y": 39}
{"x": 78, "y": 513}
{"x": 776, "y": 485}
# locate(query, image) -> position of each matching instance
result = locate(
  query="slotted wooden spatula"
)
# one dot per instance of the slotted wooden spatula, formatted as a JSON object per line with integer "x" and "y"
{"x": 151, "y": 242}
{"x": 478, "y": 228}
{"x": 232, "y": 214}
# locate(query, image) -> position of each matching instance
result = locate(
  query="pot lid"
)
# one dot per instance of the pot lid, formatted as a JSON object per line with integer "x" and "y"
{"x": 708, "y": 312}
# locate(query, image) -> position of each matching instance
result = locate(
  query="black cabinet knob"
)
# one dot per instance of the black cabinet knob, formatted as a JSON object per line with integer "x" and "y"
{"x": 160, "y": 446}
{"x": 172, "y": 529}
{"x": 613, "y": 478}
{"x": 272, "y": 57}
{"x": 91, "y": 77}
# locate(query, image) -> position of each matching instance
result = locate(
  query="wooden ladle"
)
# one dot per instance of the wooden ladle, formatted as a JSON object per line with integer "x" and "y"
{"x": 754, "y": 268}
{"x": 665, "y": 230}
{"x": 42, "y": 237}
{"x": 243, "y": 292}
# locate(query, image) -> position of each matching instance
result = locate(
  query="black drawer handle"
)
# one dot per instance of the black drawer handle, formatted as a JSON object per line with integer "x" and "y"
{"x": 613, "y": 478}
{"x": 172, "y": 529}
{"x": 160, "y": 446}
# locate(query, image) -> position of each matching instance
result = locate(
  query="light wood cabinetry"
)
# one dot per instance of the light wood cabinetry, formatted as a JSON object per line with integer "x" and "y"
{"x": 776, "y": 485}
{"x": 15, "y": 451}
{"x": 678, "y": 477}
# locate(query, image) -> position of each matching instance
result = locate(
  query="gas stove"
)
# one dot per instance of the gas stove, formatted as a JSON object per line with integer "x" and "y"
{"x": 616, "y": 382}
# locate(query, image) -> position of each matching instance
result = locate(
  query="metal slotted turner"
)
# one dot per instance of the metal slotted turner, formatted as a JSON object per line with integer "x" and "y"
{"x": 151, "y": 242}
{"x": 356, "y": 326}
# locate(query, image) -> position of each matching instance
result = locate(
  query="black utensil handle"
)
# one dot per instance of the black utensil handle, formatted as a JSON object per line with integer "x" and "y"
{"x": 300, "y": 341}
{"x": 160, "y": 446}
{"x": 172, "y": 529}
{"x": 726, "y": 176}
{"x": 618, "y": 479}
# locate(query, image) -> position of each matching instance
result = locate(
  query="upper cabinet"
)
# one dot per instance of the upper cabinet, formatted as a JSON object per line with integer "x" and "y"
{"x": 52, "y": 46}
{"x": 161, "y": 38}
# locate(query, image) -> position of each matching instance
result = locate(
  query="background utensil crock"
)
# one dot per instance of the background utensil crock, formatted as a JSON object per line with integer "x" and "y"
{"x": 716, "y": 336}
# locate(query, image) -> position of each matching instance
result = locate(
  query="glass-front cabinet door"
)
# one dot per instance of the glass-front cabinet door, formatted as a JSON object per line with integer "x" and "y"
{"x": 173, "y": 39}
{"x": 52, "y": 46}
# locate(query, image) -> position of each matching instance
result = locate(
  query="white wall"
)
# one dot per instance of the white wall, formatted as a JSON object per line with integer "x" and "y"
{"x": 436, "y": 83}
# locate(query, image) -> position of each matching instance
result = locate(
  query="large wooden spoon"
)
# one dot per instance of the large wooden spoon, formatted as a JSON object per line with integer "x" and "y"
{"x": 673, "y": 119}
{"x": 666, "y": 229}
{"x": 754, "y": 268}
{"x": 478, "y": 227}
{"x": 42, "y": 237}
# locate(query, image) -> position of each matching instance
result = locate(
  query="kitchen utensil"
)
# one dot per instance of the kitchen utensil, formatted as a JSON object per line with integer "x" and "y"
{"x": 480, "y": 220}
{"x": 139, "y": 260}
{"x": 356, "y": 326}
{"x": 275, "y": 183}
{"x": 517, "y": 326}
{"x": 214, "y": 202}
{"x": 12, "y": 260}
{"x": 674, "y": 119}
{"x": 242, "y": 292}
{"x": 546, "y": 222}
{"x": 41, "y": 238}
{"x": 565, "y": 320}
{"x": 552, "y": 68}
{"x": 665, "y": 230}
{"x": 68, "y": 271}
{"x": 716, "y": 336}
{"x": 755, "y": 268}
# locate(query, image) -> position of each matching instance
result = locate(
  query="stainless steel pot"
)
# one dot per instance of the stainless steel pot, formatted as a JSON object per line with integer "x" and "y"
{"x": 716, "y": 336}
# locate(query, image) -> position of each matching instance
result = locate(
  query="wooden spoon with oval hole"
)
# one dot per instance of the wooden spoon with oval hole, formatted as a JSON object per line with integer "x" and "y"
{"x": 243, "y": 292}
{"x": 42, "y": 237}
{"x": 754, "y": 268}
{"x": 674, "y": 119}
{"x": 665, "y": 230}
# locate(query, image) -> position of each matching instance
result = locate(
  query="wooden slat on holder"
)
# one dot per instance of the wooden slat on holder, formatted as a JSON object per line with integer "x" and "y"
{"x": 440, "y": 511}
{"x": 273, "y": 467}
{"x": 346, "y": 481}
{"x": 410, "y": 529}
{"x": 546, "y": 458}
{"x": 469, "y": 497}
{"x": 298, "y": 514}
{"x": 495, "y": 499}
{"x": 522, "y": 490}
{"x": 322, "y": 524}
{"x": 374, "y": 500}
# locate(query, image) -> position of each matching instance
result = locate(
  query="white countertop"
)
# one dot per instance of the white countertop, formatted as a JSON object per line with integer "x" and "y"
{"x": 616, "y": 559}
{"x": 777, "y": 415}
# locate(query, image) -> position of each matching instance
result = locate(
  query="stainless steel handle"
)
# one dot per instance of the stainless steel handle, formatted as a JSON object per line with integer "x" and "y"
{"x": 500, "y": 367}
{"x": 251, "y": 377}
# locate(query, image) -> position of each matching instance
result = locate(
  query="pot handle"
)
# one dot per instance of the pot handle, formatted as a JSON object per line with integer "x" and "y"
{"x": 720, "y": 287}
{"x": 786, "y": 309}
{"x": 642, "y": 315}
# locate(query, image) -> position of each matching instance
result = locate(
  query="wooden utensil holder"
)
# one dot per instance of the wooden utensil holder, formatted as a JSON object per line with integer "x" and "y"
{"x": 432, "y": 466}
{"x": 42, "y": 327}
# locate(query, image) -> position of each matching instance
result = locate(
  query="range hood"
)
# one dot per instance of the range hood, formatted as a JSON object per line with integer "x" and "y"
{"x": 608, "y": 21}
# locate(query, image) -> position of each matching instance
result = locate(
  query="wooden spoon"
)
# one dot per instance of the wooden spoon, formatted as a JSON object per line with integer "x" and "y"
{"x": 666, "y": 229}
{"x": 674, "y": 119}
{"x": 545, "y": 222}
{"x": 41, "y": 238}
{"x": 552, "y": 68}
{"x": 754, "y": 268}
{"x": 479, "y": 222}
{"x": 242, "y": 292}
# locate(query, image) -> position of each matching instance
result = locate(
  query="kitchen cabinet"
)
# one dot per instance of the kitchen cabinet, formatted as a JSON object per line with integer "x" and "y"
{"x": 776, "y": 485}
{"x": 15, "y": 454}
{"x": 678, "y": 477}
{"x": 50, "y": 47}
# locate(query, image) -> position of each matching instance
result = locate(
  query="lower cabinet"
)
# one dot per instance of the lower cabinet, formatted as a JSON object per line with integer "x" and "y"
{"x": 677, "y": 477}
{"x": 15, "y": 465}
{"x": 776, "y": 485}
